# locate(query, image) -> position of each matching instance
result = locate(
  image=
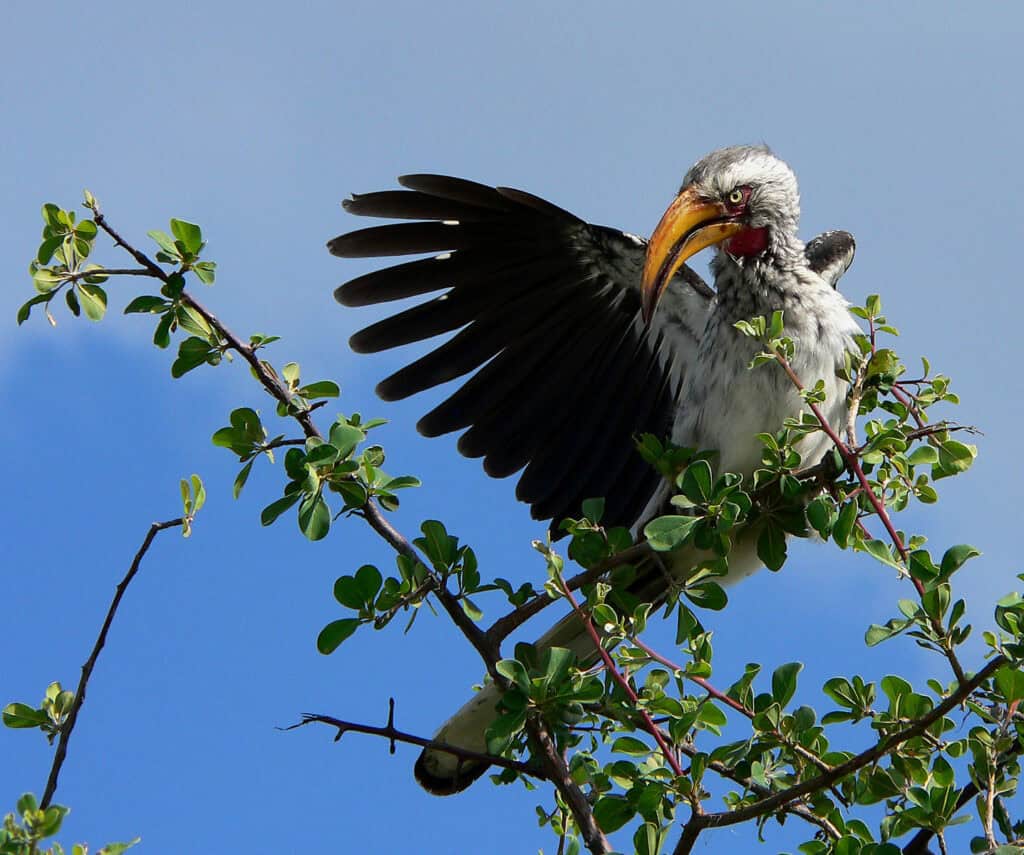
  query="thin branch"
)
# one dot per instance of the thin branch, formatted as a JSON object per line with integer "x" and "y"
{"x": 69, "y": 724}
{"x": 393, "y": 735}
{"x": 609, "y": 665}
{"x": 853, "y": 462}
{"x": 800, "y": 810}
{"x": 106, "y": 271}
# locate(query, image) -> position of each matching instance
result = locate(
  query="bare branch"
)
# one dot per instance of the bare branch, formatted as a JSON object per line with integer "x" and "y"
{"x": 393, "y": 735}
{"x": 69, "y": 724}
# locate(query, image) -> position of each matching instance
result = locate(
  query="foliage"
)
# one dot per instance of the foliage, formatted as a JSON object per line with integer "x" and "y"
{"x": 620, "y": 747}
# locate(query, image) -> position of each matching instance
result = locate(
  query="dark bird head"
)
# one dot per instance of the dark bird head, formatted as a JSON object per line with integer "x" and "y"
{"x": 742, "y": 199}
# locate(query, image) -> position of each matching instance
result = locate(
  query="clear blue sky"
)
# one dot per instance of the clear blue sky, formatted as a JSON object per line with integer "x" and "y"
{"x": 903, "y": 123}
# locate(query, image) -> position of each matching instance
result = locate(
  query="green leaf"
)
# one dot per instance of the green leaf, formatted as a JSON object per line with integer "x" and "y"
{"x": 93, "y": 299}
{"x": 335, "y": 633}
{"x": 819, "y": 515}
{"x": 696, "y": 482}
{"x": 877, "y": 634}
{"x": 241, "y": 478}
{"x": 192, "y": 352}
{"x": 878, "y": 550}
{"x": 668, "y": 532}
{"x": 923, "y": 454}
{"x": 321, "y": 389}
{"x": 322, "y": 455}
{"x": 206, "y": 271}
{"x": 515, "y": 672}
{"x": 1010, "y": 682}
{"x": 844, "y": 524}
{"x": 47, "y": 248}
{"x": 190, "y": 235}
{"x": 26, "y": 308}
{"x": 199, "y": 492}
{"x": 162, "y": 334}
{"x": 613, "y": 812}
{"x": 51, "y": 214}
{"x": 556, "y": 665}
{"x": 472, "y": 610}
{"x": 290, "y": 372}
{"x": 707, "y": 595}
{"x": 402, "y": 482}
{"x": 314, "y": 517}
{"x": 630, "y": 745}
{"x": 954, "y": 458}
{"x": 146, "y": 303}
{"x": 955, "y": 557}
{"x": 118, "y": 848}
{"x": 71, "y": 298}
{"x": 771, "y": 546}
{"x": 272, "y": 511}
{"x": 784, "y": 682}
{"x": 369, "y": 580}
{"x": 345, "y": 437}
{"x": 22, "y": 715}
{"x": 895, "y": 687}
{"x": 165, "y": 242}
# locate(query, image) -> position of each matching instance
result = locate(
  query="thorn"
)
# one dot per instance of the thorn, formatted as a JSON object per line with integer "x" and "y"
{"x": 391, "y": 724}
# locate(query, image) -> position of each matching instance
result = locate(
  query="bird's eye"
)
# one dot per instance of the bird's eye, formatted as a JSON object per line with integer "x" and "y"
{"x": 736, "y": 197}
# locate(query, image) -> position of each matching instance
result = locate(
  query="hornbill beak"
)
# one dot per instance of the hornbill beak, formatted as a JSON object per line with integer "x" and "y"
{"x": 689, "y": 225}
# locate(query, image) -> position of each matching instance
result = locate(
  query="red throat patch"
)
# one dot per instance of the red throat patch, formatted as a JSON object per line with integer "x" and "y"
{"x": 748, "y": 242}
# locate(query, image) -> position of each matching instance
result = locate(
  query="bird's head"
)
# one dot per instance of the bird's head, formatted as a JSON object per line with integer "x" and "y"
{"x": 742, "y": 199}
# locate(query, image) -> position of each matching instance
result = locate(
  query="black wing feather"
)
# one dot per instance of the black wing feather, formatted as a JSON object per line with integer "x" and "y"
{"x": 546, "y": 312}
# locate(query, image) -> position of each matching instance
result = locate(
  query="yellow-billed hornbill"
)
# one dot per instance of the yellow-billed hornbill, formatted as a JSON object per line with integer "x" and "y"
{"x": 559, "y": 317}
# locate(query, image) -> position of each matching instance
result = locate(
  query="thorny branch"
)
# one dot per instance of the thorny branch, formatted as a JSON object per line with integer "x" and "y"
{"x": 393, "y": 735}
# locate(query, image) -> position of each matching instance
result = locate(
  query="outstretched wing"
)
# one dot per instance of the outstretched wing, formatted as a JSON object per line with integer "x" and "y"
{"x": 547, "y": 307}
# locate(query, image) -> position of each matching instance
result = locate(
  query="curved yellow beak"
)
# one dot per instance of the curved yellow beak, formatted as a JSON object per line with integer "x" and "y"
{"x": 689, "y": 225}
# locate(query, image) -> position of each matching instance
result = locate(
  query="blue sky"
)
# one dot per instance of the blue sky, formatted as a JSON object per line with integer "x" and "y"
{"x": 903, "y": 125}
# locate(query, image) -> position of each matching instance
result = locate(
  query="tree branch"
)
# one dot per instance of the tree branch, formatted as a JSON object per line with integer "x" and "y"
{"x": 69, "y": 724}
{"x": 819, "y": 782}
{"x": 393, "y": 735}
{"x": 852, "y": 461}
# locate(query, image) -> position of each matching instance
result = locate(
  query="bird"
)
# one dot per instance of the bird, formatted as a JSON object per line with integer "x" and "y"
{"x": 583, "y": 337}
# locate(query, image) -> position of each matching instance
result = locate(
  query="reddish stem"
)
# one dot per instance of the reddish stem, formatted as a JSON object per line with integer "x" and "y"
{"x": 649, "y": 724}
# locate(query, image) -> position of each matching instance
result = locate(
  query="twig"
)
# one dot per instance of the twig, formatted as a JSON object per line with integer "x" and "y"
{"x": 74, "y": 276}
{"x": 90, "y": 663}
{"x": 393, "y": 735}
